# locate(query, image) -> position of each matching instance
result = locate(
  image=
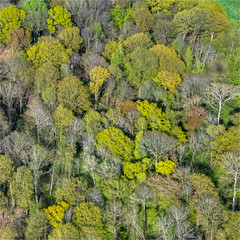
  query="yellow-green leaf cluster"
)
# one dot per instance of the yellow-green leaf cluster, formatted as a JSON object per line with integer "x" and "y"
{"x": 155, "y": 116}
{"x": 64, "y": 231}
{"x": 63, "y": 117}
{"x": 56, "y": 213}
{"x": 59, "y": 16}
{"x": 144, "y": 19}
{"x": 10, "y": 17}
{"x": 71, "y": 39}
{"x": 169, "y": 80}
{"x": 98, "y": 76}
{"x": 110, "y": 48}
{"x": 161, "y": 5}
{"x": 48, "y": 50}
{"x": 168, "y": 59}
{"x": 165, "y": 167}
{"x": 138, "y": 169}
{"x": 177, "y": 132}
{"x": 135, "y": 41}
{"x": 73, "y": 95}
{"x": 115, "y": 140}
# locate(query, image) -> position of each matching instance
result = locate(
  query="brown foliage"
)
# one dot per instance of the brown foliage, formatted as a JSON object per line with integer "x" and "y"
{"x": 127, "y": 106}
{"x": 164, "y": 187}
{"x": 196, "y": 116}
{"x": 18, "y": 38}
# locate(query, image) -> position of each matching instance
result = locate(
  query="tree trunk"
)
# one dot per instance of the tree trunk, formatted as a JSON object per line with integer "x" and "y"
{"x": 219, "y": 111}
{"x": 11, "y": 192}
{"x": 234, "y": 191}
{"x": 35, "y": 189}
{"x": 145, "y": 221}
{"x": 95, "y": 101}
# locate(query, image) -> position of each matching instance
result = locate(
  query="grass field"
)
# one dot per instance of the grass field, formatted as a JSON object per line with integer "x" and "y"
{"x": 232, "y": 7}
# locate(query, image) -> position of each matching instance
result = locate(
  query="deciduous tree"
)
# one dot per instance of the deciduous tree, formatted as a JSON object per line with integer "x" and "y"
{"x": 10, "y": 17}
{"x": 165, "y": 167}
{"x": 88, "y": 218}
{"x": 219, "y": 94}
{"x": 230, "y": 162}
{"x": 144, "y": 19}
{"x": 59, "y": 17}
{"x": 71, "y": 39}
{"x": 168, "y": 59}
{"x": 73, "y": 95}
{"x": 35, "y": 5}
{"x": 64, "y": 231}
{"x": 115, "y": 140}
{"x": 170, "y": 81}
{"x": 48, "y": 50}
{"x": 18, "y": 38}
{"x": 98, "y": 76}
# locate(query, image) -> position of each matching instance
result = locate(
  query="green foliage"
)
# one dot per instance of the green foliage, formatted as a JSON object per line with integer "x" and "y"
{"x": 110, "y": 49}
{"x": 230, "y": 229}
{"x": 23, "y": 187}
{"x": 71, "y": 39}
{"x": 115, "y": 140}
{"x": 161, "y": 5}
{"x": 98, "y": 30}
{"x": 56, "y": 213}
{"x": 120, "y": 15}
{"x": 88, "y": 218}
{"x": 155, "y": 117}
{"x": 188, "y": 58}
{"x": 168, "y": 59}
{"x": 59, "y": 17}
{"x": 10, "y": 17}
{"x": 170, "y": 81}
{"x": 64, "y": 231}
{"x": 63, "y": 117}
{"x": 46, "y": 78}
{"x": 7, "y": 233}
{"x": 141, "y": 66}
{"x": 231, "y": 7}
{"x": 228, "y": 141}
{"x": 138, "y": 40}
{"x": 48, "y": 50}
{"x": 36, "y": 224}
{"x": 35, "y": 5}
{"x": 202, "y": 185}
{"x": 93, "y": 122}
{"x": 118, "y": 57}
{"x": 68, "y": 191}
{"x": 6, "y": 168}
{"x": 138, "y": 169}
{"x": 73, "y": 95}
{"x": 165, "y": 167}
{"x": 144, "y": 19}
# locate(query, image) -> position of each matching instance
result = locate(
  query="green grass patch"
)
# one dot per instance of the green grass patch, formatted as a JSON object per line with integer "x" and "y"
{"x": 232, "y": 7}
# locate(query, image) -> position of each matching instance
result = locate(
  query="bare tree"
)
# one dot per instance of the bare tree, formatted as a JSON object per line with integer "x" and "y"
{"x": 144, "y": 194}
{"x": 164, "y": 227}
{"x": 183, "y": 228}
{"x": 42, "y": 117}
{"x": 89, "y": 164}
{"x": 219, "y": 94}
{"x": 156, "y": 144}
{"x": 231, "y": 164}
{"x": 17, "y": 146}
{"x": 38, "y": 159}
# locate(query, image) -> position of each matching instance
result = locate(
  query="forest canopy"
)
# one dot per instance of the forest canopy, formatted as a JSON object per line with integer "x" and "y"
{"x": 119, "y": 119}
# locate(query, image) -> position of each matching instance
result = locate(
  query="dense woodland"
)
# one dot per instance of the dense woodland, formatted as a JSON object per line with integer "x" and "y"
{"x": 119, "y": 120}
